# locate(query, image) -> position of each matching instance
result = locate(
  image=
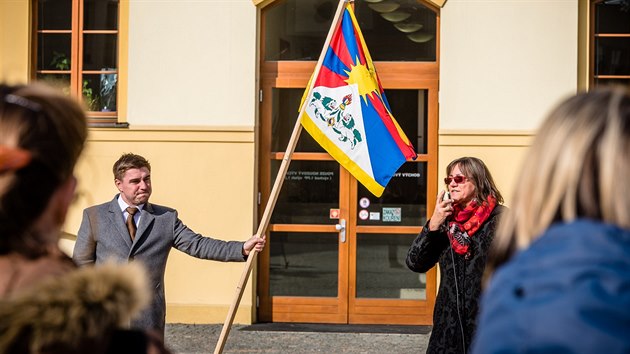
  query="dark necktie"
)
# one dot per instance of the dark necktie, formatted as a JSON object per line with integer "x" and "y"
{"x": 131, "y": 225}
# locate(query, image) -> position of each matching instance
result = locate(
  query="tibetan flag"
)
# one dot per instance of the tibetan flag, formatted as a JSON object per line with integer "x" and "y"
{"x": 347, "y": 113}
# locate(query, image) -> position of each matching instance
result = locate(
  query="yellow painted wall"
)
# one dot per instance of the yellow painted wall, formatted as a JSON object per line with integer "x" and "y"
{"x": 14, "y": 41}
{"x": 192, "y": 63}
{"x": 503, "y": 153}
{"x": 504, "y": 64}
{"x": 502, "y": 69}
{"x": 208, "y": 176}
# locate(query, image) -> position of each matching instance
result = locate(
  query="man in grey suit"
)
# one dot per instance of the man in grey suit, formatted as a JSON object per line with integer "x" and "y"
{"x": 108, "y": 233}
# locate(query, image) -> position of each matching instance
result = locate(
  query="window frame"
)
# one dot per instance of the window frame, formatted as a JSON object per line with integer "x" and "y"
{"x": 76, "y": 70}
{"x": 593, "y": 57}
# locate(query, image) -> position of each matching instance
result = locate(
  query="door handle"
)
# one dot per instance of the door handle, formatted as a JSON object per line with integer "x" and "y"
{"x": 341, "y": 227}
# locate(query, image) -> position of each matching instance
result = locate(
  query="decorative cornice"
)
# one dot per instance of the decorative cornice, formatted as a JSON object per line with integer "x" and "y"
{"x": 263, "y": 3}
{"x": 439, "y": 3}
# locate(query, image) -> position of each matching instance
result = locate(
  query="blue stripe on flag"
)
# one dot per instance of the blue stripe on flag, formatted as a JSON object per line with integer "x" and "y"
{"x": 349, "y": 37}
{"x": 385, "y": 155}
{"x": 334, "y": 63}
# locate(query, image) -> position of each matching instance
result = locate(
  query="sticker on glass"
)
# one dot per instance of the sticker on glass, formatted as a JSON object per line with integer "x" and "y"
{"x": 334, "y": 213}
{"x": 364, "y": 202}
{"x": 363, "y": 214}
{"x": 375, "y": 215}
{"x": 392, "y": 215}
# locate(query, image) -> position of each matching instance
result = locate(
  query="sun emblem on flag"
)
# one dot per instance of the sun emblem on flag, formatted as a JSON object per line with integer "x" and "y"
{"x": 364, "y": 78}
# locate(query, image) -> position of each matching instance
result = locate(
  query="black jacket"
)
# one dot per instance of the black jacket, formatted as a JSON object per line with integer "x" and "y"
{"x": 460, "y": 282}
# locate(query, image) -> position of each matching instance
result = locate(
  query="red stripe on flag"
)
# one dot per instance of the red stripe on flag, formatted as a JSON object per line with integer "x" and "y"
{"x": 328, "y": 78}
{"x": 338, "y": 45}
{"x": 406, "y": 148}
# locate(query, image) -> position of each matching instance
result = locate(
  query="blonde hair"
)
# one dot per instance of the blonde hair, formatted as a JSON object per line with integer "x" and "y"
{"x": 576, "y": 168}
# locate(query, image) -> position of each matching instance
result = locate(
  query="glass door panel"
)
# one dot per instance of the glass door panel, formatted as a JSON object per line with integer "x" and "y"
{"x": 309, "y": 192}
{"x": 304, "y": 264}
{"x": 284, "y": 114}
{"x": 381, "y": 269}
{"x": 409, "y": 108}
{"x": 403, "y": 202}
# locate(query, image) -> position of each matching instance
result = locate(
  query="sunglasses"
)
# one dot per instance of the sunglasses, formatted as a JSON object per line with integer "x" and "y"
{"x": 457, "y": 179}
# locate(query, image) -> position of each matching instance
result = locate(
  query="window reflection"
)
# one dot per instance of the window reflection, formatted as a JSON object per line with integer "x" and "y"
{"x": 611, "y": 55}
{"x": 409, "y": 108}
{"x": 394, "y": 30}
{"x": 309, "y": 191}
{"x": 53, "y": 51}
{"x": 303, "y": 264}
{"x": 100, "y": 14}
{"x": 53, "y": 15}
{"x": 99, "y": 92}
{"x": 100, "y": 51}
{"x": 398, "y": 30}
{"x": 381, "y": 269}
{"x": 285, "y": 113}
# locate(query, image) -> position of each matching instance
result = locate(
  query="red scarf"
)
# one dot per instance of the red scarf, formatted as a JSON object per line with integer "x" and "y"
{"x": 467, "y": 221}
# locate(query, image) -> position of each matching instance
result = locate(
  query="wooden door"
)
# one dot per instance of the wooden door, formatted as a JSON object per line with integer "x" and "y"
{"x": 336, "y": 253}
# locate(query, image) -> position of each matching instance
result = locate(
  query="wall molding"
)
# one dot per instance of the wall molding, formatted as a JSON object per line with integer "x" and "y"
{"x": 206, "y": 314}
{"x": 224, "y": 134}
{"x": 485, "y": 138}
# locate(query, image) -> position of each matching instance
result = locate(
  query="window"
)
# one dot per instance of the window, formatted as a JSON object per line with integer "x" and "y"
{"x": 75, "y": 48}
{"x": 610, "y": 42}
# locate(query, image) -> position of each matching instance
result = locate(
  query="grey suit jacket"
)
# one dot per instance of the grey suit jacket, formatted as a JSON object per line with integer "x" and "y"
{"x": 103, "y": 236}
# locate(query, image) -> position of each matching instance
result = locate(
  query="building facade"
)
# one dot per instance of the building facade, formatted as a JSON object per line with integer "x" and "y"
{"x": 208, "y": 91}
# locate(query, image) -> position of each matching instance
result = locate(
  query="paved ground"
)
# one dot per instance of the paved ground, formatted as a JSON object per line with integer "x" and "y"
{"x": 202, "y": 339}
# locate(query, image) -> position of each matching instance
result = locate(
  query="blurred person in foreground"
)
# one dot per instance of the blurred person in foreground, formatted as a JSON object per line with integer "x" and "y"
{"x": 560, "y": 265}
{"x": 458, "y": 236}
{"x": 47, "y": 305}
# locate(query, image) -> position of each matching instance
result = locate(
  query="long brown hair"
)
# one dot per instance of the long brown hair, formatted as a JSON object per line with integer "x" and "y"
{"x": 51, "y": 129}
{"x": 478, "y": 173}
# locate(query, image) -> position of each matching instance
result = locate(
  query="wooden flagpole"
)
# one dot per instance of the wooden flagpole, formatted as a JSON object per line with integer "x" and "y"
{"x": 275, "y": 191}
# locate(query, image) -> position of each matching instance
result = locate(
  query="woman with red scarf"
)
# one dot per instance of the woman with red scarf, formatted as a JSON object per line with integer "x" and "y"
{"x": 458, "y": 236}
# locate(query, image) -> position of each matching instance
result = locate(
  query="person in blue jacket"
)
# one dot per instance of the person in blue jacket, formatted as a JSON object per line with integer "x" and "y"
{"x": 559, "y": 267}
